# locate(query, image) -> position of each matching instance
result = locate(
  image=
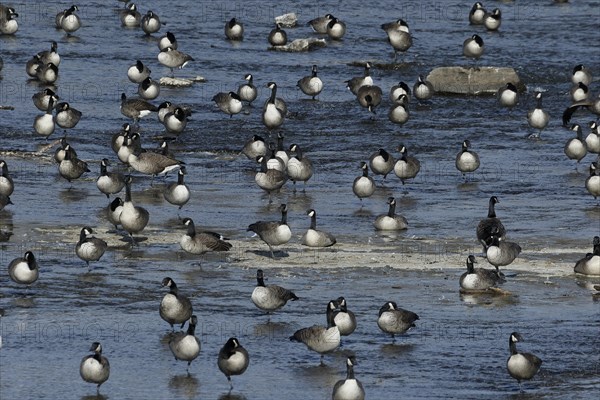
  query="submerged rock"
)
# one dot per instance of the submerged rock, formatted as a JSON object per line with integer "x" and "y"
{"x": 299, "y": 45}
{"x": 287, "y": 20}
{"x": 473, "y": 80}
{"x": 180, "y": 82}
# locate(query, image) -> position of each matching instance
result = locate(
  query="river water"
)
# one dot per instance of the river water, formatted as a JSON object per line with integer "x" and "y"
{"x": 459, "y": 347}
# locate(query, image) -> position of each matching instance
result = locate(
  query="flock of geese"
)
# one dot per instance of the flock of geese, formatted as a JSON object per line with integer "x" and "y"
{"x": 277, "y": 165}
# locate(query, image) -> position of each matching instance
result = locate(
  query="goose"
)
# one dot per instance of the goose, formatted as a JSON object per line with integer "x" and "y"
{"x": 478, "y": 279}
{"x": 398, "y": 35}
{"x": 311, "y": 85}
{"x": 136, "y": 108}
{"x": 592, "y": 183}
{"x": 590, "y": 264}
{"x": 269, "y": 180}
{"x": 277, "y": 36}
{"x": 41, "y": 99}
{"x": 272, "y": 116}
{"x": 148, "y": 89}
{"x": 169, "y": 40}
{"x": 60, "y": 152}
{"x": 592, "y": 140}
{"x": 398, "y": 89}
{"x": 59, "y": 17}
{"x": 357, "y": 82}
{"x": 44, "y": 124}
{"x": 7, "y": 185}
{"x": 150, "y": 23}
{"x": 95, "y": 368}
{"x": 200, "y": 242}
{"x": 8, "y": 22}
{"x": 89, "y": 248}
{"x": 381, "y": 163}
{"x": 109, "y": 182}
{"x": 576, "y": 148}
{"x": 50, "y": 56}
{"x": 234, "y": 30}
{"x": 177, "y": 193}
{"x": 369, "y": 96}
{"x": 280, "y": 152}
{"x": 66, "y": 116}
{"x": 390, "y": 221}
{"x": 477, "y": 14}
{"x": 407, "y": 167}
{"x": 151, "y": 163}
{"x": 399, "y": 112}
{"x": 254, "y": 148}
{"x": 274, "y": 162}
{"x": 32, "y": 66}
{"x": 270, "y": 298}
{"x": 521, "y": 366}
{"x": 395, "y": 320}
{"x": 114, "y": 210}
{"x": 176, "y": 121}
{"x": 133, "y": 218}
{"x": 314, "y": 237}
{"x": 299, "y": 167}
{"x": 185, "y": 346}
{"x": 230, "y": 103}
{"x": 500, "y": 253}
{"x": 537, "y": 117}
{"x": 138, "y": 72}
{"x": 273, "y": 233}
{"x": 131, "y": 145}
{"x": 318, "y": 338}
{"x": 592, "y": 105}
{"x": 490, "y": 225}
{"x": 24, "y": 270}
{"x": 72, "y": 167}
{"x": 4, "y": 201}
{"x": 118, "y": 139}
{"x": 247, "y": 91}
{"x": 175, "y": 308}
{"x": 344, "y": 319}
{"x": 473, "y": 47}
{"x": 363, "y": 186}
{"x": 130, "y": 16}
{"x": 336, "y": 29}
{"x": 493, "y": 20}
{"x": 233, "y": 359}
{"x": 579, "y": 92}
{"x": 70, "y": 22}
{"x": 581, "y": 74}
{"x": 319, "y": 24}
{"x": 173, "y": 58}
{"x": 423, "y": 89}
{"x": 508, "y": 95}
{"x": 164, "y": 108}
{"x": 349, "y": 388}
{"x": 466, "y": 160}
{"x": 47, "y": 73}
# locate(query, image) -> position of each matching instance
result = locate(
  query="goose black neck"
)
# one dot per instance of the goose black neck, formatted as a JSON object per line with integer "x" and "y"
{"x": 191, "y": 329}
{"x": 491, "y": 209}
{"x": 180, "y": 178}
{"x": 191, "y": 229}
{"x": 330, "y": 317}
{"x": 349, "y": 371}
{"x": 103, "y": 171}
{"x": 470, "y": 268}
{"x": 127, "y": 191}
{"x": 513, "y": 346}
{"x": 273, "y": 94}
{"x": 284, "y": 216}
{"x": 392, "y": 209}
{"x": 313, "y": 221}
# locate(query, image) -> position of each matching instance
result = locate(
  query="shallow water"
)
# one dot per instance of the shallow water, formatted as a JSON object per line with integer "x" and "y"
{"x": 459, "y": 347}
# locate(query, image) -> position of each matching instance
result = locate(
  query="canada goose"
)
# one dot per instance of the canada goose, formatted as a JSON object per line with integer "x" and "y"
{"x": 149, "y": 89}
{"x": 423, "y": 89}
{"x": 138, "y": 72}
{"x": 493, "y": 20}
{"x": 344, "y": 319}
{"x": 398, "y": 35}
{"x": 592, "y": 105}
{"x": 66, "y": 116}
{"x": 490, "y": 225}
{"x": 24, "y": 270}
{"x": 274, "y": 162}
{"x": 466, "y": 160}
{"x": 322, "y": 339}
{"x": 47, "y": 74}
{"x": 247, "y": 91}
{"x": 592, "y": 183}
{"x": 59, "y": 17}
{"x": 72, "y": 167}
{"x": 136, "y": 108}
{"x": 176, "y": 121}
{"x": 280, "y": 152}
{"x": 8, "y": 22}
{"x": 390, "y": 221}
{"x": 357, "y": 82}
{"x": 508, "y": 95}
{"x": 70, "y": 22}
{"x": 576, "y": 148}
{"x": 473, "y": 47}
{"x": 150, "y": 23}
{"x": 363, "y": 186}
{"x": 41, "y": 99}
{"x": 200, "y": 242}
{"x": 114, "y": 210}
{"x": 130, "y": 16}
{"x": 311, "y": 85}
{"x": 399, "y": 112}
{"x": 381, "y": 163}
{"x": 164, "y": 108}
{"x": 89, "y": 248}
{"x": 521, "y": 366}
{"x": 151, "y": 163}
{"x": 234, "y": 30}
{"x": 169, "y": 40}
{"x": 538, "y": 118}
{"x": 314, "y": 237}
{"x": 109, "y": 182}
{"x": 50, "y": 56}
{"x": 4, "y": 201}
{"x": 478, "y": 279}
{"x": 581, "y": 74}
{"x": 178, "y": 193}
{"x": 230, "y": 103}
{"x": 336, "y": 29}
{"x": 185, "y": 346}
{"x": 590, "y": 264}
{"x": 7, "y": 185}
{"x": 299, "y": 167}
{"x": 477, "y": 14}
{"x": 277, "y": 36}
{"x": 406, "y": 167}
{"x": 60, "y": 152}
{"x": 349, "y": 388}
{"x": 269, "y": 180}
{"x": 270, "y": 298}
{"x": 172, "y": 59}
{"x": 175, "y": 308}
{"x": 254, "y": 148}
{"x": 133, "y": 218}
{"x": 319, "y": 24}
{"x": 118, "y": 139}
{"x": 500, "y": 253}
{"x": 95, "y": 368}
{"x": 131, "y": 145}
{"x": 398, "y": 89}
{"x": 32, "y": 66}
{"x": 395, "y": 320}
{"x": 272, "y": 116}
{"x": 273, "y": 233}
{"x": 233, "y": 359}
{"x": 592, "y": 140}
{"x": 369, "y": 96}
{"x": 44, "y": 124}
{"x": 579, "y": 92}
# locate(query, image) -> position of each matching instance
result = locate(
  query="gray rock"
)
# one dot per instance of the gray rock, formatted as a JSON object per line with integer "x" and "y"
{"x": 287, "y": 20}
{"x": 299, "y": 45}
{"x": 473, "y": 80}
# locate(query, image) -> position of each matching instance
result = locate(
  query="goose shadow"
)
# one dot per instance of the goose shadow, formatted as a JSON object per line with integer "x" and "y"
{"x": 232, "y": 396}
{"x": 97, "y": 396}
{"x": 187, "y": 385}
{"x": 266, "y": 253}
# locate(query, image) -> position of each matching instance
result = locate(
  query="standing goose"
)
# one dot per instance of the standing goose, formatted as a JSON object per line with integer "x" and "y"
{"x": 423, "y": 89}
{"x": 114, "y": 210}
{"x": 477, "y": 14}
{"x": 579, "y": 92}
{"x": 314, "y": 237}
{"x": 395, "y": 320}
{"x": 592, "y": 105}
{"x": 521, "y": 366}
{"x": 8, "y": 22}
{"x": 508, "y": 95}
{"x": 322, "y": 339}
{"x": 66, "y": 116}
{"x": 200, "y": 242}
{"x": 60, "y": 152}
{"x": 50, "y": 56}
{"x": 44, "y": 124}
{"x": 47, "y": 73}
{"x": 130, "y": 16}
{"x": 344, "y": 318}
{"x": 473, "y": 47}
{"x": 178, "y": 193}
{"x": 478, "y": 279}
{"x": 70, "y": 22}
{"x": 95, "y": 368}
{"x": 32, "y": 66}
{"x": 363, "y": 186}
{"x": 109, "y": 182}
{"x": 230, "y": 103}
{"x": 277, "y": 36}
{"x": 490, "y": 225}
{"x": 172, "y": 59}
{"x": 581, "y": 74}
{"x": 150, "y": 23}
{"x": 493, "y": 20}
{"x": 576, "y": 148}
{"x": 7, "y": 185}
{"x": 185, "y": 346}
{"x": 234, "y": 30}
{"x": 151, "y": 163}
{"x": 592, "y": 140}
{"x": 175, "y": 308}
{"x": 407, "y": 167}
{"x": 272, "y": 116}
{"x": 269, "y": 180}
{"x": 42, "y": 98}
{"x": 168, "y": 40}
{"x": 592, "y": 183}
{"x": 148, "y": 89}
{"x": 233, "y": 359}
{"x": 273, "y": 161}
{"x": 175, "y": 121}
{"x": 280, "y": 152}
{"x": 466, "y": 160}
{"x": 357, "y": 82}
{"x": 138, "y": 72}
{"x": 500, "y": 253}
{"x": 273, "y": 233}
{"x": 390, "y": 221}
{"x": 590, "y": 264}
{"x": 336, "y": 29}
{"x": 349, "y": 388}
{"x": 133, "y": 218}
{"x": 369, "y": 97}
{"x": 247, "y": 91}
{"x": 72, "y": 167}
{"x": 164, "y": 108}
{"x": 131, "y": 144}
{"x": 537, "y": 117}
{"x": 398, "y": 36}
{"x": 311, "y": 85}
{"x": 270, "y": 298}
{"x": 254, "y": 148}
{"x": 398, "y": 89}
{"x": 399, "y": 112}
{"x": 381, "y": 163}
{"x": 89, "y": 248}
{"x": 24, "y": 270}
{"x": 319, "y": 24}
{"x": 136, "y": 108}
{"x": 299, "y": 167}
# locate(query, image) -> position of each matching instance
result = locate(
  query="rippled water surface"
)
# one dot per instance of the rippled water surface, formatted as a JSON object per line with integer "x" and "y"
{"x": 459, "y": 348}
